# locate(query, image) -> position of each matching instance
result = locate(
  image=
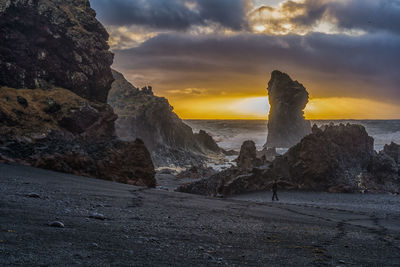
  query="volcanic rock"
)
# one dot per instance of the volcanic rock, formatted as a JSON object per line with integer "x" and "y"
{"x": 143, "y": 115}
{"x": 333, "y": 159}
{"x": 393, "y": 150}
{"x": 54, "y": 109}
{"x": 58, "y": 42}
{"x": 46, "y": 44}
{"x": 228, "y": 182}
{"x": 248, "y": 156}
{"x": 206, "y": 142}
{"x": 109, "y": 159}
{"x": 286, "y": 123}
{"x": 328, "y": 157}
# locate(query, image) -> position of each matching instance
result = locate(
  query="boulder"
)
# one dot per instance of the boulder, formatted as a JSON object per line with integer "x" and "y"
{"x": 54, "y": 43}
{"x": 248, "y": 156}
{"x": 335, "y": 155}
{"x": 286, "y": 123}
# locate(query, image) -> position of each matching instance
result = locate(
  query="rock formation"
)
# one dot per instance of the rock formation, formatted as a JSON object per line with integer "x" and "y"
{"x": 243, "y": 178}
{"x": 332, "y": 159}
{"x": 248, "y": 156}
{"x": 286, "y": 123}
{"x": 46, "y": 45}
{"x": 124, "y": 162}
{"x": 143, "y": 115}
{"x": 59, "y": 42}
{"x": 335, "y": 155}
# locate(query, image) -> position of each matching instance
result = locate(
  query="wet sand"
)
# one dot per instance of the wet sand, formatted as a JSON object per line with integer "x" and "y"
{"x": 148, "y": 227}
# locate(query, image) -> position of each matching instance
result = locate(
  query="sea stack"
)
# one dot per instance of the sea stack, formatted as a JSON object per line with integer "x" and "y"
{"x": 286, "y": 122}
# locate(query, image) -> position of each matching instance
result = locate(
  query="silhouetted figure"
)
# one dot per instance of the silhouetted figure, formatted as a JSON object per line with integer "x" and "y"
{"x": 274, "y": 191}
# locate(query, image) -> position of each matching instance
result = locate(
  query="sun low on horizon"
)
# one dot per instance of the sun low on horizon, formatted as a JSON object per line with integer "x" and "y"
{"x": 213, "y": 59}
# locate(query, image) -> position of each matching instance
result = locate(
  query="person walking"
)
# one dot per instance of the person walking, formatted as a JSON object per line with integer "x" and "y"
{"x": 275, "y": 191}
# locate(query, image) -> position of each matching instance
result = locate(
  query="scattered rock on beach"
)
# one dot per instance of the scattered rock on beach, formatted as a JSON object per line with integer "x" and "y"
{"x": 97, "y": 216}
{"x": 57, "y": 224}
{"x": 33, "y": 195}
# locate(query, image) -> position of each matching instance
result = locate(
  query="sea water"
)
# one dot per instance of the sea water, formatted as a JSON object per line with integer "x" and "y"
{"x": 230, "y": 134}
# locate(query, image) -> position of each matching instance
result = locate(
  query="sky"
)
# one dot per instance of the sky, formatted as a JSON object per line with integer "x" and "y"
{"x": 212, "y": 59}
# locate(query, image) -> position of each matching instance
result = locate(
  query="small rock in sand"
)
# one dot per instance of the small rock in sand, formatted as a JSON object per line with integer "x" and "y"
{"x": 97, "y": 216}
{"x": 57, "y": 224}
{"x": 34, "y": 195}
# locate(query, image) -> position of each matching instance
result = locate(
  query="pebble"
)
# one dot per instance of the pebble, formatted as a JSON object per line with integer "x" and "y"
{"x": 97, "y": 216}
{"x": 57, "y": 224}
{"x": 34, "y": 195}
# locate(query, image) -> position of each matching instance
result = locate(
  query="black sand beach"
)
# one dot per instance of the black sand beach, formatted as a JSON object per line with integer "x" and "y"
{"x": 146, "y": 227}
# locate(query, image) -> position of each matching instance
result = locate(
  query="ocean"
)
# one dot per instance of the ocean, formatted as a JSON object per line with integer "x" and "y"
{"x": 230, "y": 134}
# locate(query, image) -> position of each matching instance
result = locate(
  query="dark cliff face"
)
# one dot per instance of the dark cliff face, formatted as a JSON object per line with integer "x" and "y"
{"x": 143, "y": 115}
{"x": 46, "y": 45}
{"x": 335, "y": 155}
{"x": 58, "y": 42}
{"x": 286, "y": 123}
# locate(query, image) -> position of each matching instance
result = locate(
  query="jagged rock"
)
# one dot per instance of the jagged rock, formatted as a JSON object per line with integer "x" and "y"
{"x": 267, "y": 154}
{"x": 109, "y": 159}
{"x": 228, "y": 182}
{"x": 55, "y": 109}
{"x": 248, "y": 156}
{"x": 58, "y": 42}
{"x": 286, "y": 123}
{"x": 143, "y": 115}
{"x": 44, "y": 44}
{"x": 393, "y": 150}
{"x": 196, "y": 172}
{"x": 330, "y": 157}
{"x": 206, "y": 142}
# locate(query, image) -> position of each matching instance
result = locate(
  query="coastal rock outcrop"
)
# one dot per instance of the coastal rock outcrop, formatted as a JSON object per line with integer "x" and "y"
{"x": 143, "y": 115}
{"x": 59, "y": 42}
{"x": 286, "y": 122}
{"x": 124, "y": 162}
{"x": 248, "y": 156}
{"x": 333, "y": 158}
{"x": 46, "y": 45}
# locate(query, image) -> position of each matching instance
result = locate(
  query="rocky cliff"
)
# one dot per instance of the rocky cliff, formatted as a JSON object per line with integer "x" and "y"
{"x": 143, "y": 115}
{"x": 46, "y": 45}
{"x": 286, "y": 123}
{"x": 59, "y": 42}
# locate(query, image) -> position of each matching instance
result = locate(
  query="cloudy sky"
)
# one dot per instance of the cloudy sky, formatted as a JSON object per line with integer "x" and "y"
{"x": 213, "y": 58}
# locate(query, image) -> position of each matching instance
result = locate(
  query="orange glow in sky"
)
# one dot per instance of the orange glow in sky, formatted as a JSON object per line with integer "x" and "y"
{"x": 258, "y": 108}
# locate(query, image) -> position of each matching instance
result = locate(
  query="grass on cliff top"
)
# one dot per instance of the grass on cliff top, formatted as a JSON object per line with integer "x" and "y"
{"x": 17, "y": 119}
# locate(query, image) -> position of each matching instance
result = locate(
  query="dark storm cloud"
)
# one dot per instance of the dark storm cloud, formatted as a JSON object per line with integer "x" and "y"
{"x": 171, "y": 14}
{"x": 365, "y": 66}
{"x": 367, "y": 15}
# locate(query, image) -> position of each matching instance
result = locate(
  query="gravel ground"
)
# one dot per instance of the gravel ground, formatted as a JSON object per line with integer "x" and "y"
{"x": 110, "y": 224}
{"x": 379, "y": 204}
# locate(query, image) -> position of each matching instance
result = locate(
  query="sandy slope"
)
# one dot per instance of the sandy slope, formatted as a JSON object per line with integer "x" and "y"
{"x": 153, "y": 227}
